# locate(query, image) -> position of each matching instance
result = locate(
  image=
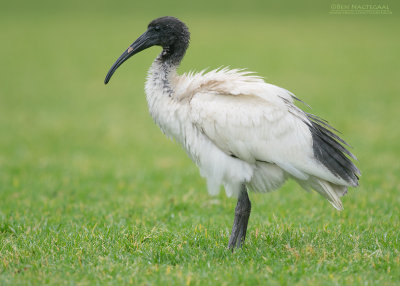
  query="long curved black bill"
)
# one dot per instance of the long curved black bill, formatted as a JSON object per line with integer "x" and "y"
{"x": 143, "y": 42}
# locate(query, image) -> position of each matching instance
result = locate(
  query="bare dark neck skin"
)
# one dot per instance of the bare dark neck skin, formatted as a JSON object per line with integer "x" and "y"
{"x": 174, "y": 53}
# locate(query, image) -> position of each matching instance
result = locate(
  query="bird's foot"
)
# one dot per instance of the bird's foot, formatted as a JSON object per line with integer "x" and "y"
{"x": 242, "y": 214}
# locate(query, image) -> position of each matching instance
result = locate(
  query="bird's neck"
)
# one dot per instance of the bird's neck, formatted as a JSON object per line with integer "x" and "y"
{"x": 163, "y": 69}
{"x": 161, "y": 96}
{"x": 160, "y": 78}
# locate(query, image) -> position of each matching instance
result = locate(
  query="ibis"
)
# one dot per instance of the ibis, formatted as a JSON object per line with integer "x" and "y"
{"x": 244, "y": 134}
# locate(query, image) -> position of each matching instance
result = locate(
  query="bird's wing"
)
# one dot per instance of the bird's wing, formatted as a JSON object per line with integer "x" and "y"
{"x": 255, "y": 121}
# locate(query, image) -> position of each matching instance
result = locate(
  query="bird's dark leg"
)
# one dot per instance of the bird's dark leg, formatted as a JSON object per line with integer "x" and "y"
{"x": 242, "y": 214}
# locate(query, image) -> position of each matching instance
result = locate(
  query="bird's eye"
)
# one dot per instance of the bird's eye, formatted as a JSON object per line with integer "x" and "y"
{"x": 157, "y": 28}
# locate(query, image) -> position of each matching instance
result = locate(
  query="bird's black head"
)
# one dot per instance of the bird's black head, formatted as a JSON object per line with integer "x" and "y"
{"x": 168, "y": 32}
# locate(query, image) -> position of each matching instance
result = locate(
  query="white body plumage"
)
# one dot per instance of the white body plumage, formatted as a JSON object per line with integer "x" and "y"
{"x": 239, "y": 130}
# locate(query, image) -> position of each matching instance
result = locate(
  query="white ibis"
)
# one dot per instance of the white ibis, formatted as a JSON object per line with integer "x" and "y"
{"x": 242, "y": 132}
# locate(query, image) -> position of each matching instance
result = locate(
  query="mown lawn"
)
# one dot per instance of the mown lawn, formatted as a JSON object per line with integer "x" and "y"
{"x": 91, "y": 192}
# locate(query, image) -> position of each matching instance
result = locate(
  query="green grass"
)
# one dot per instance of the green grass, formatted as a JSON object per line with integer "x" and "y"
{"x": 91, "y": 192}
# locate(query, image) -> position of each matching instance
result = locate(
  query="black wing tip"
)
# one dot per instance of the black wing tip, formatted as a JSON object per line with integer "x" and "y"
{"x": 329, "y": 149}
